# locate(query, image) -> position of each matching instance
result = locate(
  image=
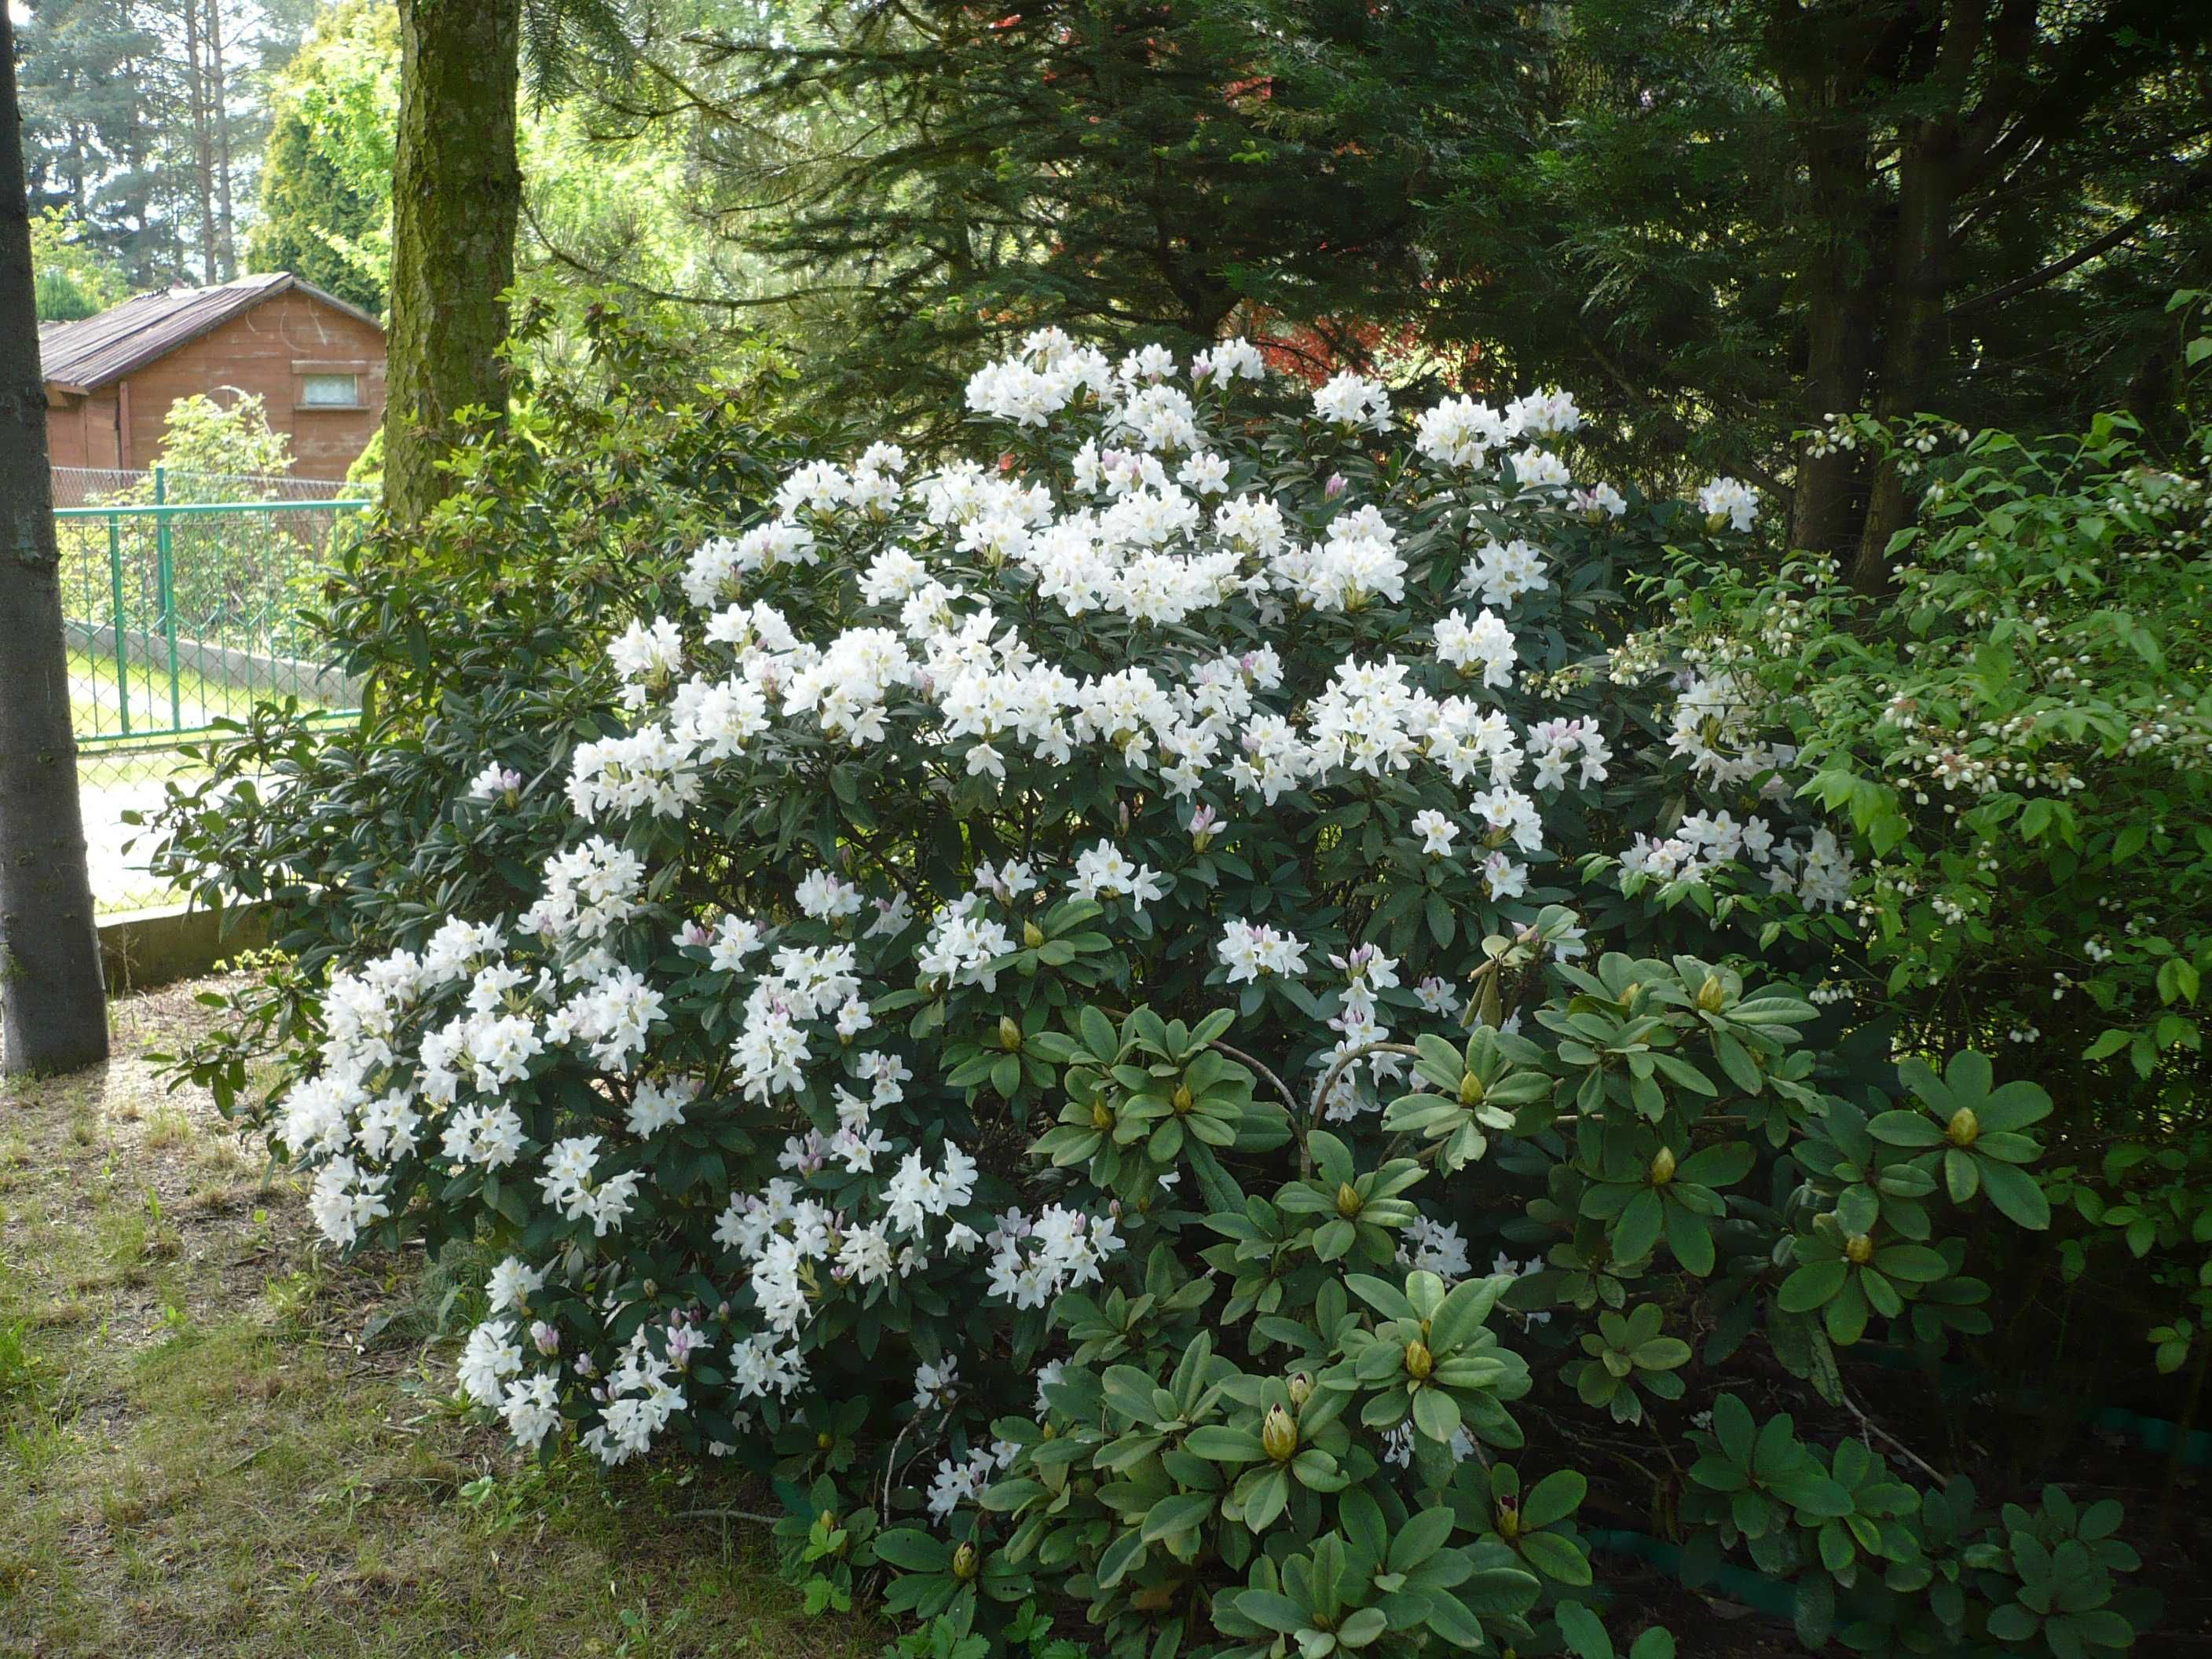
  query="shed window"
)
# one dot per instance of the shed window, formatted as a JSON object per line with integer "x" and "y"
{"x": 331, "y": 391}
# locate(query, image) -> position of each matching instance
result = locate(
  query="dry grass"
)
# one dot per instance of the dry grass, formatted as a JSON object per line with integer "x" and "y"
{"x": 199, "y": 1456}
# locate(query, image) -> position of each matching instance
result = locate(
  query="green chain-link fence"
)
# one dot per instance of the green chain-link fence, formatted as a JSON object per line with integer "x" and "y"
{"x": 181, "y": 604}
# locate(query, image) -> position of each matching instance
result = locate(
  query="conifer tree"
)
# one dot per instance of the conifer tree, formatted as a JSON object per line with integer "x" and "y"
{"x": 1753, "y": 214}
{"x": 936, "y": 173}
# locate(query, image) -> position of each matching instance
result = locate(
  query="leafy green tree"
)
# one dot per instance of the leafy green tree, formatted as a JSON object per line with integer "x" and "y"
{"x": 204, "y": 438}
{"x": 87, "y": 140}
{"x": 73, "y": 279}
{"x": 326, "y": 177}
{"x": 146, "y": 118}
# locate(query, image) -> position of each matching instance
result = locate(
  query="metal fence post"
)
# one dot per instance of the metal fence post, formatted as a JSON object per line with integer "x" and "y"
{"x": 115, "y": 586}
{"x": 166, "y": 576}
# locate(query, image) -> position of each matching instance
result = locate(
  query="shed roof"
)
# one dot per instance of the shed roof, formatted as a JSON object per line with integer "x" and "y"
{"x": 95, "y": 350}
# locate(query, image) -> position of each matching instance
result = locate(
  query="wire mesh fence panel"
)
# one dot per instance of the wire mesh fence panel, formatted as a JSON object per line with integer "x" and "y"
{"x": 179, "y": 614}
{"x": 104, "y": 486}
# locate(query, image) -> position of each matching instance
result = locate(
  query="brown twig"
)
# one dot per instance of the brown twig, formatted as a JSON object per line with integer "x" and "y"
{"x": 1281, "y": 1087}
{"x": 1867, "y": 1426}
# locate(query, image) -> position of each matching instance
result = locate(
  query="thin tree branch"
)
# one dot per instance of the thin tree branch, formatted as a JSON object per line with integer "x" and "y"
{"x": 561, "y": 256}
{"x": 2165, "y": 203}
{"x": 1281, "y": 1087}
{"x": 1867, "y": 1425}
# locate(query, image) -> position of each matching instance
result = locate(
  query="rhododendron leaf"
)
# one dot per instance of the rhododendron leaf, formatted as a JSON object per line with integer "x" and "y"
{"x": 1435, "y": 1414}
{"x": 1419, "y": 1538}
{"x": 1638, "y": 1230}
{"x": 2016, "y": 1195}
{"x": 914, "y": 1550}
{"x": 1691, "y": 1241}
{"x": 1181, "y": 1513}
{"x": 1556, "y": 1556}
{"x": 1722, "y": 1164}
{"x": 1905, "y": 1128}
{"x": 1811, "y": 1286}
{"x": 1582, "y": 1631}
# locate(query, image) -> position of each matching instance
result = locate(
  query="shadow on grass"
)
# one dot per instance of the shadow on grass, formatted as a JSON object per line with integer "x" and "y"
{"x": 198, "y": 1457}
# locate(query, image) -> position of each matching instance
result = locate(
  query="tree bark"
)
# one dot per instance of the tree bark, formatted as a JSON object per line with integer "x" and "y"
{"x": 219, "y": 95}
{"x": 1825, "y": 58}
{"x": 1915, "y": 341}
{"x": 203, "y": 139}
{"x": 53, "y": 1011}
{"x": 1824, "y": 509}
{"x": 456, "y": 197}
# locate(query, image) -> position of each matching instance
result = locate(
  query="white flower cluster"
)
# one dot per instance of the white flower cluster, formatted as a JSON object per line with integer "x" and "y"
{"x": 1032, "y": 1261}
{"x": 1729, "y": 501}
{"x": 991, "y": 635}
{"x": 1819, "y": 875}
{"x": 1249, "y": 951}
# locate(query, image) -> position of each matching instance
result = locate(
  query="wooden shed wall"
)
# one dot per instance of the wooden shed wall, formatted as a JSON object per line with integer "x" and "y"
{"x": 269, "y": 351}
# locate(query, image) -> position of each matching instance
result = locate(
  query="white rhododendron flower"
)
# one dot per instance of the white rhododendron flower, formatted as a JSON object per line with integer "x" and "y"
{"x": 1730, "y": 501}
{"x": 936, "y": 757}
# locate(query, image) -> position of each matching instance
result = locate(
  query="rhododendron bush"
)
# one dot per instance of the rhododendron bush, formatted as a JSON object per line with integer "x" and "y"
{"x": 1152, "y": 1022}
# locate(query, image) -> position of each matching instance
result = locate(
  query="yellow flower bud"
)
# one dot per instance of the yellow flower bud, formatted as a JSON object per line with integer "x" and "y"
{"x": 1348, "y": 1202}
{"x": 1419, "y": 1362}
{"x": 1184, "y": 1100}
{"x": 1711, "y": 994}
{"x": 1010, "y": 1035}
{"x": 1859, "y": 1250}
{"x": 1964, "y": 1129}
{"x": 1509, "y": 1518}
{"x": 1032, "y": 935}
{"x": 1278, "y": 1435}
{"x": 1101, "y": 1114}
{"x": 824, "y": 1442}
{"x": 965, "y": 1563}
{"x": 1470, "y": 1089}
{"x": 1301, "y": 1388}
{"x": 1662, "y": 1166}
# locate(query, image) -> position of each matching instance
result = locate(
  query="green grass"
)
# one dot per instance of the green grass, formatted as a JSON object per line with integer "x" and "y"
{"x": 199, "y": 1456}
{"x": 97, "y": 700}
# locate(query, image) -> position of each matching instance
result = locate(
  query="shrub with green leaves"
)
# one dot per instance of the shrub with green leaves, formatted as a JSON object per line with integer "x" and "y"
{"x": 1045, "y": 977}
{"x": 2015, "y": 742}
{"x": 2017, "y": 736}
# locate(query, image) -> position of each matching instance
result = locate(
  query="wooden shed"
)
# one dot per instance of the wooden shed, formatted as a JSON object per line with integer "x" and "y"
{"x": 316, "y": 361}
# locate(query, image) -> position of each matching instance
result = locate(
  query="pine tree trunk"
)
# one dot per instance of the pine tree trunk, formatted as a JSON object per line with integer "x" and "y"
{"x": 203, "y": 144}
{"x": 457, "y": 195}
{"x": 219, "y": 97}
{"x": 1913, "y": 334}
{"x": 53, "y": 1014}
{"x": 1824, "y": 510}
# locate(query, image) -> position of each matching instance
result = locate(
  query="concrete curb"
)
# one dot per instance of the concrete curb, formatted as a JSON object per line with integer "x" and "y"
{"x": 142, "y": 949}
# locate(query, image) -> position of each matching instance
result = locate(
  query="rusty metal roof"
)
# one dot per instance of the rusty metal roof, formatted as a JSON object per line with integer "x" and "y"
{"x": 93, "y": 351}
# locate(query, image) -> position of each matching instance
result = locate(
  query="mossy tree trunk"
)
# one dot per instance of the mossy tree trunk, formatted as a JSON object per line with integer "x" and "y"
{"x": 457, "y": 192}
{"x": 53, "y": 1014}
